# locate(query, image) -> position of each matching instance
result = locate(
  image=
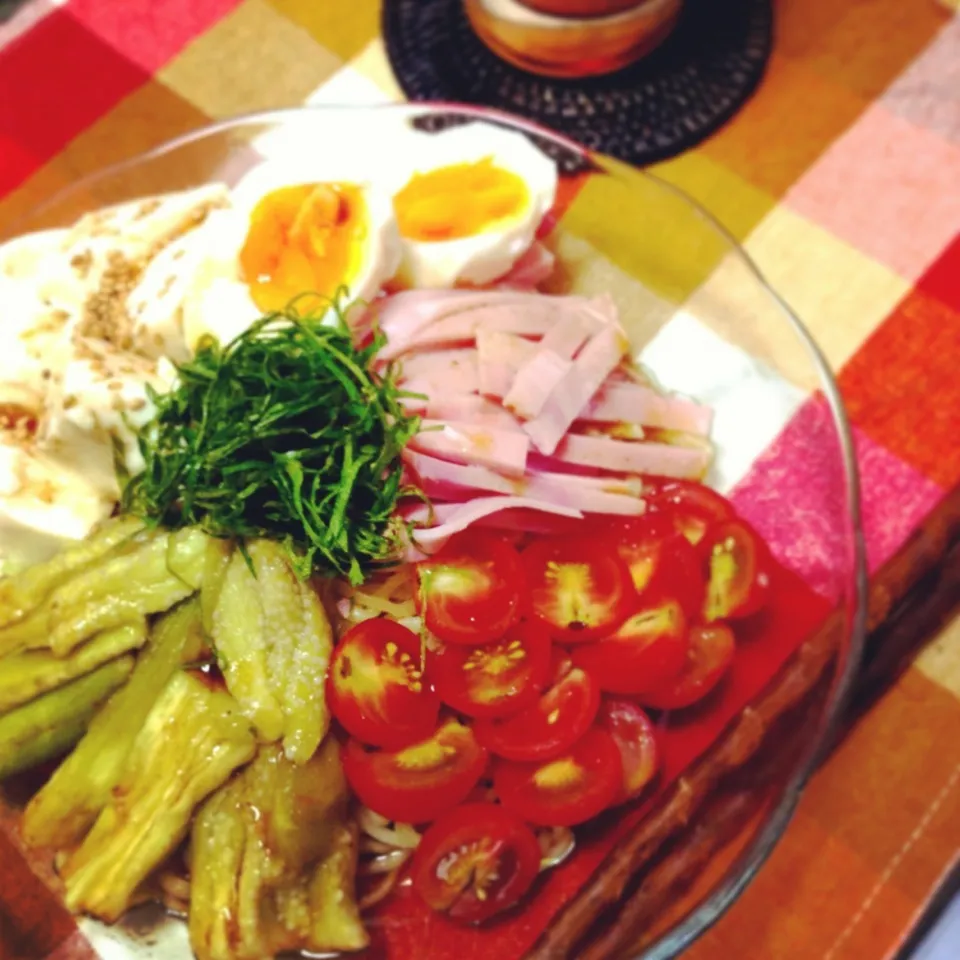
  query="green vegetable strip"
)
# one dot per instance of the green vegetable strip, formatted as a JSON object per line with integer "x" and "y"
{"x": 286, "y": 433}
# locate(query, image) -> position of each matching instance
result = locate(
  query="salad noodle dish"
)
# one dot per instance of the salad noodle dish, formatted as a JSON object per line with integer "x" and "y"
{"x": 339, "y": 553}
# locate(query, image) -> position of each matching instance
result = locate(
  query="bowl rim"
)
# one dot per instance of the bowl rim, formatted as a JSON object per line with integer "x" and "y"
{"x": 853, "y": 602}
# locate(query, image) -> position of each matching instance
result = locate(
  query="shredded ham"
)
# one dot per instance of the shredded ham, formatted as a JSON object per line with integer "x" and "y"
{"x": 531, "y": 411}
{"x": 625, "y": 456}
{"x": 499, "y": 356}
{"x": 441, "y": 366}
{"x": 630, "y": 402}
{"x": 451, "y": 518}
{"x": 503, "y": 450}
{"x": 535, "y": 266}
{"x": 595, "y": 362}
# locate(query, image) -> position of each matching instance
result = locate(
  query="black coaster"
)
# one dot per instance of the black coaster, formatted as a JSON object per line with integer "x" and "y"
{"x": 656, "y": 108}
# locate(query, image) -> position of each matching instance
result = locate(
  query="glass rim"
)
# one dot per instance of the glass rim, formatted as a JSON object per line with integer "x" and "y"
{"x": 853, "y": 601}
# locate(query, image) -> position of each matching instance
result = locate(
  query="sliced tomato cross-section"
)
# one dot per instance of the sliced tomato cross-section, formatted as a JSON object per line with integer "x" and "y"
{"x": 648, "y": 650}
{"x": 634, "y": 735}
{"x": 739, "y": 572}
{"x": 421, "y": 781}
{"x": 475, "y": 861}
{"x": 662, "y": 562}
{"x": 376, "y": 687}
{"x": 471, "y": 591}
{"x": 579, "y": 587}
{"x": 495, "y": 679}
{"x": 709, "y": 657}
{"x": 691, "y": 506}
{"x": 561, "y": 715}
{"x": 565, "y": 790}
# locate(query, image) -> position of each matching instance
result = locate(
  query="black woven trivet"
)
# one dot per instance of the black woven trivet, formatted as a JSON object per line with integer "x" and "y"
{"x": 656, "y": 108}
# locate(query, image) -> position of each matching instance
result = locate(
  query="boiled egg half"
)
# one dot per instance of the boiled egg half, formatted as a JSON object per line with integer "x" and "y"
{"x": 293, "y": 230}
{"x": 470, "y": 204}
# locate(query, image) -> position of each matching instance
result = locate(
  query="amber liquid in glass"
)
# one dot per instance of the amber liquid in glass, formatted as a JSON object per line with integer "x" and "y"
{"x": 572, "y": 38}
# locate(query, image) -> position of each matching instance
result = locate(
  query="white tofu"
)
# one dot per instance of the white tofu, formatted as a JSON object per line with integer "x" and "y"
{"x": 42, "y": 506}
{"x": 21, "y": 257}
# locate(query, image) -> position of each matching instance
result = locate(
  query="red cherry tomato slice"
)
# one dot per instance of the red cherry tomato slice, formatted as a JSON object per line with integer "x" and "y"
{"x": 662, "y": 562}
{"x": 420, "y": 782}
{"x": 691, "y": 506}
{"x": 740, "y": 562}
{"x": 634, "y": 735}
{"x": 475, "y": 861}
{"x": 579, "y": 587}
{"x": 565, "y": 790}
{"x": 650, "y": 649}
{"x": 472, "y": 590}
{"x": 496, "y": 679}
{"x": 710, "y": 655}
{"x": 376, "y": 689}
{"x": 554, "y": 723}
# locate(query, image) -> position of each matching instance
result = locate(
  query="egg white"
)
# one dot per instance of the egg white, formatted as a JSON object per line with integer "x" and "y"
{"x": 219, "y": 304}
{"x": 490, "y": 254}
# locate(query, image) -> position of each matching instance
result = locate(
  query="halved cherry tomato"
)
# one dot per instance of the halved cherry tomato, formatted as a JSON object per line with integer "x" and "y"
{"x": 579, "y": 587}
{"x": 472, "y": 590}
{"x": 691, "y": 506}
{"x": 548, "y": 727}
{"x": 566, "y": 790}
{"x": 420, "y": 782}
{"x": 475, "y": 861}
{"x": 710, "y": 655}
{"x": 496, "y": 679}
{"x": 662, "y": 562}
{"x": 376, "y": 688}
{"x": 634, "y": 735}
{"x": 739, "y": 580}
{"x": 650, "y": 649}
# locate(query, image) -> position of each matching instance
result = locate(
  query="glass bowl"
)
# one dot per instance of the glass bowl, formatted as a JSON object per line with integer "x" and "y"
{"x": 651, "y": 879}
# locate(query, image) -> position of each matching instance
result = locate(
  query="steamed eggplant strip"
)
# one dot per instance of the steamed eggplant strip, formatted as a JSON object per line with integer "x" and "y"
{"x": 150, "y": 574}
{"x": 274, "y": 641}
{"x": 151, "y": 580}
{"x": 216, "y": 560}
{"x": 25, "y": 676}
{"x": 50, "y": 724}
{"x": 271, "y": 862}
{"x": 192, "y": 740}
{"x": 67, "y": 805}
{"x": 21, "y": 594}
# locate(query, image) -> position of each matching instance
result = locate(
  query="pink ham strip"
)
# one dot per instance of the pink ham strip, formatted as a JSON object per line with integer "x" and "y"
{"x": 502, "y": 450}
{"x": 527, "y": 320}
{"x": 442, "y": 384}
{"x": 587, "y": 374}
{"x": 500, "y": 355}
{"x": 539, "y": 376}
{"x": 455, "y": 517}
{"x": 407, "y": 317}
{"x": 632, "y": 403}
{"x": 624, "y": 456}
{"x": 438, "y": 478}
{"x": 443, "y": 366}
{"x": 530, "y": 270}
{"x": 472, "y": 409}
{"x": 534, "y": 382}
{"x": 589, "y": 494}
{"x": 569, "y": 333}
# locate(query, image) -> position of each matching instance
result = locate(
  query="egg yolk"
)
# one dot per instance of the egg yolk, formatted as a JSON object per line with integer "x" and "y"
{"x": 458, "y": 201}
{"x": 303, "y": 239}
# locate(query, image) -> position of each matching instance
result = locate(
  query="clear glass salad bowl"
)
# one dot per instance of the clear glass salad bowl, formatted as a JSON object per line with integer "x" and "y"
{"x": 704, "y": 322}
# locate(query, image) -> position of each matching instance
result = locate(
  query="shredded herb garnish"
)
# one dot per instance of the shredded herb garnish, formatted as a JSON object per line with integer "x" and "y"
{"x": 284, "y": 433}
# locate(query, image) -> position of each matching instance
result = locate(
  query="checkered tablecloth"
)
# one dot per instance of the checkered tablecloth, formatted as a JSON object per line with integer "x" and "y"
{"x": 841, "y": 177}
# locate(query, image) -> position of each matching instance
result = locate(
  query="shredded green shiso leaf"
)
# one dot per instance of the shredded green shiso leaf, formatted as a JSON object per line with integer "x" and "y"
{"x": 285, "y": 433}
